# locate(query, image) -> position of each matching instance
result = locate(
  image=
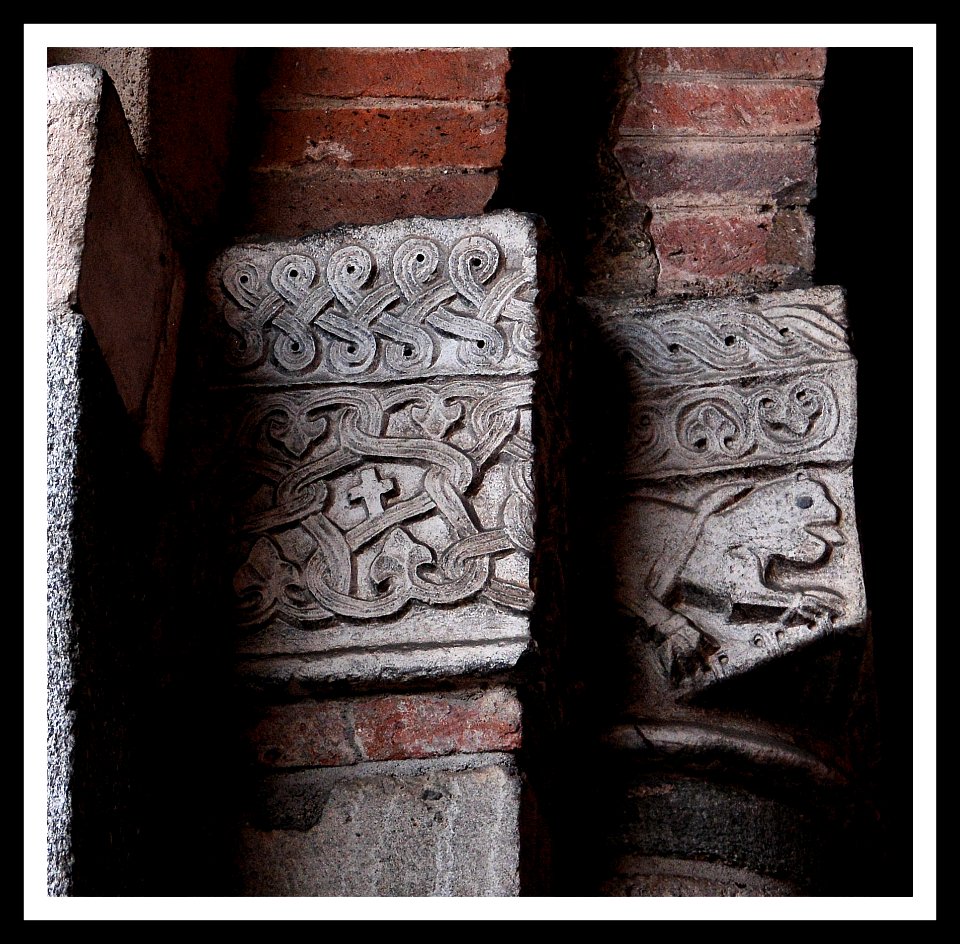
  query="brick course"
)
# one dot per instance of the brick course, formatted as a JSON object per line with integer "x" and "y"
{"x": 303, "y": 200}
{"x": 369, "y": 135}
{"x": 387, "y": 136}
{"x": 734, "y": 249}
{"x": 770, "y": 61}
{"x": 724, "y": 173}
{"x": 443, "y": 74}
{"x": 705, "y": 108}
{"x": 719, "y": 145}
{"x": 398, "y": 726}
{"x": 385, "y": 727}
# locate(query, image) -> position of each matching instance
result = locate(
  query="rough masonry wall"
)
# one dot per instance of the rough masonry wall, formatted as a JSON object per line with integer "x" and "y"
{"x": 758, "y": 785}
{"x": 705, "y": 179}
{"x": 369, "y": 135}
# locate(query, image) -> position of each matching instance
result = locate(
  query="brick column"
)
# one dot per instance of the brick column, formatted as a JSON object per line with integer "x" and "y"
{"x": 720, "y": 145}
{"x": 370, "y": 135}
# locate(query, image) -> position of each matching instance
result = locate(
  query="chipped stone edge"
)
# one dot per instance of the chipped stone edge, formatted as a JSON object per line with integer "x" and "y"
{"x": 382, "y": 665}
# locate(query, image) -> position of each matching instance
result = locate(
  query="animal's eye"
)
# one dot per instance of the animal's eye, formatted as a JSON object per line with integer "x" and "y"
{"x": 804, "y": 501}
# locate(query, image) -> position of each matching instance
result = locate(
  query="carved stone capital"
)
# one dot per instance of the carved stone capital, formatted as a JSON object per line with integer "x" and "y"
{"x": 381, "y": 451}
{"x": 736, "y": 541}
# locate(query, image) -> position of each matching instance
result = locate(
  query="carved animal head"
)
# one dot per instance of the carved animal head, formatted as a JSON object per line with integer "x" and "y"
{"x": 793, "y": 518}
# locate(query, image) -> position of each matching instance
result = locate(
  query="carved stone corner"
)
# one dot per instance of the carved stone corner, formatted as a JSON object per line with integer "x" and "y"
{"x": 735, "y": 541}
{"x": 378, "y": 391}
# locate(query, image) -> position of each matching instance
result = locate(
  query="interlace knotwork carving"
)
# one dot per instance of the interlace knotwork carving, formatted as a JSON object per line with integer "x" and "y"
{"x": 415, "y": 311}
{"x": 367, "y": 499}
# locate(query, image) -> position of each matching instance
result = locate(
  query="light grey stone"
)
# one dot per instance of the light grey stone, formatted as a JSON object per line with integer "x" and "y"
{"x": 180, "y": 105}
{"x": 738, "y": 744}
{"x": 737, "y": 536}
{"x": 382, "y": 384}
{"x": 108, "y": 290}
{"x": 736, "y": 383}
{"x": 129, "y": 68}
{"x": 64, "y": 339}
{"x": 406, "y": 300}
{"x": 109, "y": 252}
{"x": 441, "y": 828}
{"x": 439, "y": 657}
{"x": 73, "y": 105}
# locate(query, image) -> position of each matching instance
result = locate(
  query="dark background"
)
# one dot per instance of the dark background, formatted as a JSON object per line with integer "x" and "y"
{"x": 864, "y": 242}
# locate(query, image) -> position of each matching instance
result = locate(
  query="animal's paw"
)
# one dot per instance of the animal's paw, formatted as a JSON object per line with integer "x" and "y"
{"x": 681, "y": 642}
{"x": 810, "y": 608}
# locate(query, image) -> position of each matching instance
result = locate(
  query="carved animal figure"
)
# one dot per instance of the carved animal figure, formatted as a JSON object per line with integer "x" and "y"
{"x": 723, "y": 560}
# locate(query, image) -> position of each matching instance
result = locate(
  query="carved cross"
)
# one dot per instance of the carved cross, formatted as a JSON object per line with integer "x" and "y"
{"x": 369, "y": 491}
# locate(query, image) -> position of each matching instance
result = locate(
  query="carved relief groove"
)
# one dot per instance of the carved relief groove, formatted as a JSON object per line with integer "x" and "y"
{"x": 422, "y": 311}
{"x": 740, "y": 571}
{"x": 698, "y": 347}
{"x": 737, "y": 541}
{"x": 362, "y": 500}
{"x": 705, "y": 428}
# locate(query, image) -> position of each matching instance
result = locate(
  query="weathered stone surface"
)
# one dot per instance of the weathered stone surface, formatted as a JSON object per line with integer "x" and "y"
{"x": 128, "y": 68}
{"x": 437, "y": 828}
{"x": 377, "y": 386}
{"x": 100, "y": 617}
{"x": 180, "y": 106}
{"x": 672, "y": 833}
{"x": 737, "y": 539}
{"x": 64, "y": 333}
{"x": 93, "y": 236}
{"x": 109, "y": 251}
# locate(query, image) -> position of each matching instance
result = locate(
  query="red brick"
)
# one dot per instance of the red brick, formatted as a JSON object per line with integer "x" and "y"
{"x": 791, "y": 240}
{"x": 794, "y": 62}
{"x": 417, "y": 73}
{"x": 753, "y": 248}
{"x": 718, "y": 173}
{"x": 463, "y": 135}
{"x": 295, "y": 202}
{"x": 305, "y": 734}
{"x": 397, "y": 726}
{"x": 704, "y": 107}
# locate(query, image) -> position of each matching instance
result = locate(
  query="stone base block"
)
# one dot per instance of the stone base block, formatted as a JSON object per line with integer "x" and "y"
{"x": 445, "y": 827}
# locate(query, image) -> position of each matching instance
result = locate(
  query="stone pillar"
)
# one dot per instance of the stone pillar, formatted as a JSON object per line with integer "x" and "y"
{"x": 180, "y": 105}
{"x": 109, "y": 252}
{"x": 378, "y": 433}
{"x": 114, "y": 293}
{"x": 729, "y": 734}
